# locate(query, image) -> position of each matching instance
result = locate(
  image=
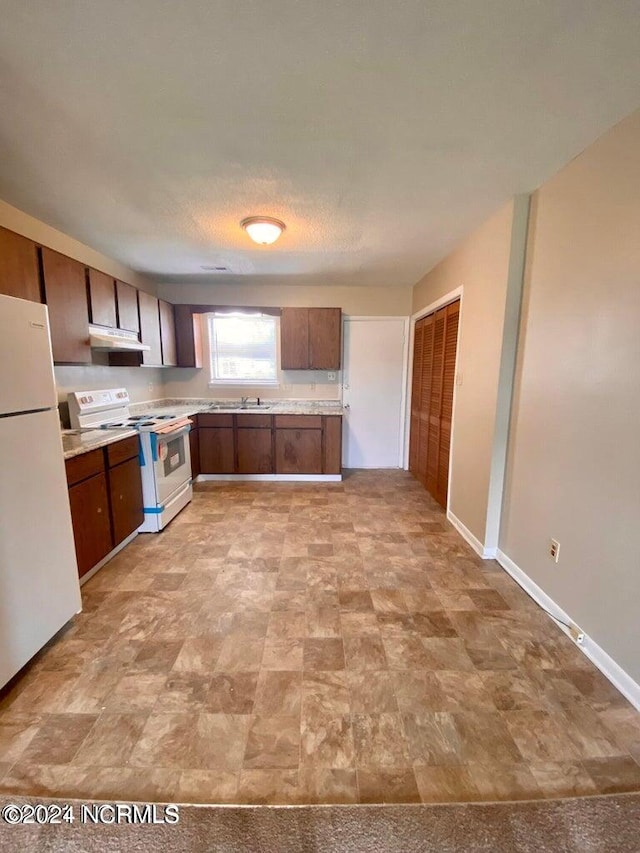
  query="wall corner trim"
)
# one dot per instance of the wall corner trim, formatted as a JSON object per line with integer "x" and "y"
{"x": 620, "y": 679}
{"x": 467, "y": 535}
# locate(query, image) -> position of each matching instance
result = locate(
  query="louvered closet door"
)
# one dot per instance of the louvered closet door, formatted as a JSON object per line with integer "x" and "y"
{"x": 435, "y": 407}
{"x": 425, "y": 397}
{"x": 432, "y": 399}
{"x": 448, "y": 382}
{"x": 414, "y": 439}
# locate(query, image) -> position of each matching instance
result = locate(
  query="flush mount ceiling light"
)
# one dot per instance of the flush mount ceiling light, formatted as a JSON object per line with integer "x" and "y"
{"x": 263, "y": 229}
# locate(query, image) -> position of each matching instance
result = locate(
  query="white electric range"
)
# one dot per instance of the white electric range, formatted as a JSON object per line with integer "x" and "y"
{"x": 165, "y": 456}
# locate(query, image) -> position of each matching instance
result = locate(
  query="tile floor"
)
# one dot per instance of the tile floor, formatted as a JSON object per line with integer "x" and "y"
{"x": 312, "y": 643}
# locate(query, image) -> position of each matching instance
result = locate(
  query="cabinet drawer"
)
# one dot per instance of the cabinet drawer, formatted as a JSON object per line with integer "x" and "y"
{"x": 254, "y": 421}
{"x": 215, "y": 420}
{"x": 298, "y": 422}
{"x": 120, "y": 451}
{"x": 83, "y": 466}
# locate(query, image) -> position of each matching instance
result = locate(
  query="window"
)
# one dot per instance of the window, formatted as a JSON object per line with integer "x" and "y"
{"x": 243, "y": 349}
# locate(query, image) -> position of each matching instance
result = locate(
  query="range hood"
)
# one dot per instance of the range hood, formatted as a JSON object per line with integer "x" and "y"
{"x": 114, "y": 340}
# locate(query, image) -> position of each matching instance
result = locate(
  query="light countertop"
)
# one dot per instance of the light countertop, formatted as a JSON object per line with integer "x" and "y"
{"x": 269, "y": 407}
{"x": 74, "y": 443}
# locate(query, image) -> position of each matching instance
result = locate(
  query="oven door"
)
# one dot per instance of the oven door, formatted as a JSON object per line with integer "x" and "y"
{"x": 171, "y": 461}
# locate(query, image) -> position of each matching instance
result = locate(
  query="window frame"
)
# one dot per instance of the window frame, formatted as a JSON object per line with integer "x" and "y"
{"x": 215, "y": 382}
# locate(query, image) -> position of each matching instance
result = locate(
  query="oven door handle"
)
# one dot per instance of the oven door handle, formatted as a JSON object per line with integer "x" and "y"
{"x": 157, "y": 437}
{"x": 178, "y": 429}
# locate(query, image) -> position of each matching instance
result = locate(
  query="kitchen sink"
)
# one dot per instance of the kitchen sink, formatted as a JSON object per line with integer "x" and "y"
{"x": 244, "y": 407}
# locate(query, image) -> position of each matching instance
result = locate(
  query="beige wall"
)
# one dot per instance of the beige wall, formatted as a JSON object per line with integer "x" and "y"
{"x": 22, "y": 223}
{"x": 364, "y": 301}
{"x": 480, "y": 266}
{"x": 574, "y": 460}
{"x": 142, "y": 383}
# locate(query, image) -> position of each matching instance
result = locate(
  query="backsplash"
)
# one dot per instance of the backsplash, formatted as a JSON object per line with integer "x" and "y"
{"x": 193, "y": 383}
{"x": 142, "y": 383}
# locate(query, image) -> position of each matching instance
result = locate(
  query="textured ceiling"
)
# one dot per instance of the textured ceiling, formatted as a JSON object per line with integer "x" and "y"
{"x": 380, "y": 132}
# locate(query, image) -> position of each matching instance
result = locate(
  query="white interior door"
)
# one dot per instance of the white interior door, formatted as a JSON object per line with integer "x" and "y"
{"x": 374, "y": 381}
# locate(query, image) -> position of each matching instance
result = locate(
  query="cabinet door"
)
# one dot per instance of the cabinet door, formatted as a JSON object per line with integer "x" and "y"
{"x": 66, "y": 297}
{"x": 127, "y": 299}
{"x": 325, "y": 335}
{"x": 167, "y": 333}
{"x": 188, "y": 336}
{"x": 150, "y": 328}
{"x": 294, "y": 339}
{"x": 19, "y": 275}
{"x": 299, "y": 451}
{"x": 125, "y": 493}
{"x": 102, "y": 299}
{"x": 91, "y": 524}
{"x": 216, "y": 450}
{"x": 255, "y": 454}
{"x": 194, "y": 446}
{"x": 332, "y": 444}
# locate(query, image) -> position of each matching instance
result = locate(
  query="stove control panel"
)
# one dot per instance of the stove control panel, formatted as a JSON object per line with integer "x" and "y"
{"x": 96, "y": 406}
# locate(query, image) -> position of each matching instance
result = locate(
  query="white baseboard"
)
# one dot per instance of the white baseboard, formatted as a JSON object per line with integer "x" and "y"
{"x": 271, "y": 478}
{"x": 467, "y": 535}
{"x": 596, "y": 654}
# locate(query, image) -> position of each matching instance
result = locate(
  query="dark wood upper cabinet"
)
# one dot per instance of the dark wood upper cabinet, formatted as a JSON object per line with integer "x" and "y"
{"x": 325, "y": 334}
{"x": 19, "y": 275}
{"x": 150, "y": 329}
{"x": 102, "y": 299}
{"x": 167, "y": 333}
{"x": 127, "y": 301}
{"x": 310, "y": 338}
{"x": 66, "y": 297}
{"x": 188, "y": 336}
{"x": 294, "y": 339}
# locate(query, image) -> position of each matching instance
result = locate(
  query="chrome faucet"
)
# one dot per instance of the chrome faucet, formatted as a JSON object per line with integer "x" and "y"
{"x": 245, "y": 400}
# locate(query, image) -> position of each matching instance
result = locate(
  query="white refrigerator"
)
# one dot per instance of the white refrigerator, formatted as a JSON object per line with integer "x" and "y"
{"x": 39, "y": 588}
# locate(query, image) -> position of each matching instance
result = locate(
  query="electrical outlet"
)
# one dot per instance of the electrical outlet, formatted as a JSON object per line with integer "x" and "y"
{"x": 554, "y": 550}
{"x": 287, "y": 387}
{"x": 331, "y": 377}
{"x": 312, "y": 386}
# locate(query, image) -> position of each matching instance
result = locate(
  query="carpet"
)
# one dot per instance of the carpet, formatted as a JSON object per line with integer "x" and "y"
{"x": 598, "y": 824}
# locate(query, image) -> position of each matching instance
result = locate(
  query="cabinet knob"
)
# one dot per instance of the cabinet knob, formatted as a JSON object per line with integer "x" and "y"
{"x": 99, "y": 509}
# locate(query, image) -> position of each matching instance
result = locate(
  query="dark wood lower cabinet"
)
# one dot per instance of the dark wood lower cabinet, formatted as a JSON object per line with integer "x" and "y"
{"x": 255, "y": 451}
{"x": 125, "y": 493}
{"x": 89, "y": 502}
{"x": 265, "y": 444}
{"x": 299, "y": 451}
{"x": 332, "y": 445}
{"x": 194, "y": 447}
{"x": 217, "y": 455}
{"x": 105, "y": 495}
